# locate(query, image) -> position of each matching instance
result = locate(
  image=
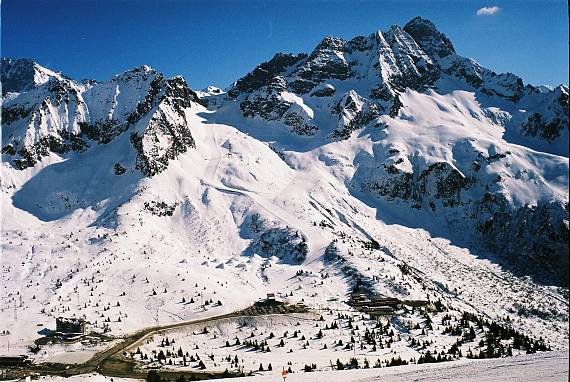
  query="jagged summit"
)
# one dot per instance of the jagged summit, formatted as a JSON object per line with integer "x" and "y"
{"x": 377, "y": 86}
{"x": 380, "y": 86}
{"x": 56, "y": 115}
{"x": 329, "y": 42}
{"x": 380, "y": 67}
{"x": 139, "y": 70}
{"x": 432, "y": 41}
{"x": 22, "y": 74}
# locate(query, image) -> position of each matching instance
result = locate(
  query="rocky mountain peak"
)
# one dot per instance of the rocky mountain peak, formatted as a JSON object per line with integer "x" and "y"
{"x": 140, "y": 73}
{"x": 432, "y": 41}
{"x": 265, "y": 72}
{"x": 55, "y": 114}
{"x": 384, "y": 65}
{"x": 329, "y": 43}
{"x": 21, "y": 74}
{"x": 370, "y": 164}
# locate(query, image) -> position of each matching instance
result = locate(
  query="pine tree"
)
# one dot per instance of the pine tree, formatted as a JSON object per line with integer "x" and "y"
{"x": 339, "y": 365}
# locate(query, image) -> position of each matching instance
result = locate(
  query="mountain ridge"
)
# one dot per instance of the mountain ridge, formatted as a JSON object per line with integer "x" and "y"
{"x": 288, "y": 90}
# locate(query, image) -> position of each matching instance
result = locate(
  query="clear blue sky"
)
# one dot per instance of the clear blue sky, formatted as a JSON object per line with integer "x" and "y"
{"x": 216, "y": 42}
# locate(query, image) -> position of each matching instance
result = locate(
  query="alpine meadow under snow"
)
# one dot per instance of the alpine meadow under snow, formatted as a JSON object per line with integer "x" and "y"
{"x": 387, "y": 167}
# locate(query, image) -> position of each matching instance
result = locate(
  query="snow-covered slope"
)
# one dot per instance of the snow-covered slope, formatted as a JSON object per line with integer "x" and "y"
{"x": 387, "y": 159}
{"x": 463, "y": 145}
{"x": 548, "y": 367}
{"x": 20, "y": 75}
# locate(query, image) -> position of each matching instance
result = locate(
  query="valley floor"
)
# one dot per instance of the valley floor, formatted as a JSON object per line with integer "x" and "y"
{"x": 545, "y": 367}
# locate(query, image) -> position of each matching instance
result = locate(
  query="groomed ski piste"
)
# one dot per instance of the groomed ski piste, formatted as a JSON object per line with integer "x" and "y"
{"x": 549, "y": 367}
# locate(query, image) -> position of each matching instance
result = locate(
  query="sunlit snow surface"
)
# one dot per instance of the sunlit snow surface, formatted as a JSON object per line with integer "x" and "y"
{"x": 549, "y": 367}
{"x": 104, "y": 242}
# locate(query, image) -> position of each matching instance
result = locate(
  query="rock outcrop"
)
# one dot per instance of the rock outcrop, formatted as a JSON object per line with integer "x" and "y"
{"x": 51, "y": 114}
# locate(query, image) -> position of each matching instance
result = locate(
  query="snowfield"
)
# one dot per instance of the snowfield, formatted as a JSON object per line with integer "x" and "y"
{"x": 136, "y": 271}
{"x": 549, "y": 367}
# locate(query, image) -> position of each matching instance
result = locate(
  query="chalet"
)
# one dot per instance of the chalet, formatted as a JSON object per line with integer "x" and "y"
{"x": 70, "y": 326}
{"x": 375, "y": 306}
{"x": 386, "y": 301}
{"x": 270, "y": 297}
{"x": 377, "y": 311}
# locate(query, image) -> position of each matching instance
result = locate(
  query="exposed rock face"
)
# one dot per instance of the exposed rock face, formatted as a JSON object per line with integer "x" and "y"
{"x": 550, "y": 123}
{"x": 60, "y": 115}
{"x": 424, "y": 128}
{"x": 353, "y": 112}
{"x": 326, "y": 62}
{"x": 20, "y": 75}
{"x": 385, "y": 64}
{"x": 269, "y": 238}
{"x": 274, "y": 103}
{"x": 530, "y": 236}
{"x": 55, "y": 110}
{"x": 439, "y": 185}
{"x": 325, "y": 91}
{"x": 489, "y": 83}
{"x": 268, "y": 105}
{"x": 477, "y": 201}
{"x": 163, "y": 139}
{"x": 432, "y": 41}
{"x": 358, "y": 85}
{"x": 160, "y": 208}
{"x": 526, "y": 235}
{"x": 264, "y": 73}
{"x": 288, "y": 245}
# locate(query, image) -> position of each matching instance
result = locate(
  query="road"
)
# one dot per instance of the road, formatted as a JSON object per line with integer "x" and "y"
{"x": 111, "y": 362}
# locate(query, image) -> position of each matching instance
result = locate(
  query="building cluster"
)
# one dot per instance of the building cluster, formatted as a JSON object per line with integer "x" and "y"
{"x": 70, "y": 326}
{"x": 374, "y": 306}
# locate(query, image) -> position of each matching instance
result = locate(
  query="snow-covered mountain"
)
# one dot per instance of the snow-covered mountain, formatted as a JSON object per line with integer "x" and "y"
{"x": 20, "y": 75}
{"x": 356, "y": 161}
{"x": 449, "y": 137}
{"x": 303, "y": 91}
{"x": 60, "y": 115}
